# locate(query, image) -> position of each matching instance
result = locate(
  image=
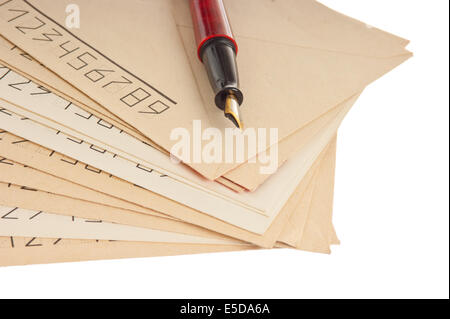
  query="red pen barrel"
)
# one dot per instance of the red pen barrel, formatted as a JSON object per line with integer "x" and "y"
{"x": 210, "y": 21}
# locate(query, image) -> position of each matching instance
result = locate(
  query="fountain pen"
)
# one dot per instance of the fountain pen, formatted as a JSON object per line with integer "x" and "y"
{"x": 217, "y": 50}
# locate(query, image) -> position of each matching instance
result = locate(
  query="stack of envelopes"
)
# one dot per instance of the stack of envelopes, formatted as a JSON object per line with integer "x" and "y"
{"x": 86, "y": 116}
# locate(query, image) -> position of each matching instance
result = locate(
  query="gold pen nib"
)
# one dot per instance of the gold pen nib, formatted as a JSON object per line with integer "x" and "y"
{"x": 232, "y": 111}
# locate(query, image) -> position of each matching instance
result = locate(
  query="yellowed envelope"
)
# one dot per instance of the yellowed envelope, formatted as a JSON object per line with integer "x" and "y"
{"x": 21, "y": 251}
{"x": 34, "y": 199}
{"x": 297, "y": 69}
{"x": 58, "y": 164}
{"x": 316, "y": 219}
{"x": 19, "y": 174}
{"x": 32, "y": 179}
{"x": 311, "y": 56}
{"x": 316, "y": 233}
{"x": 248, "y": 174}
{"x": 14, "y": 57}
{"x": 22, "y": 222}
{"x": 285, "y": 180}
{"x": 19, "y": 222}
{"x": 16, "y": 251}
{"x": 72, "y": 253}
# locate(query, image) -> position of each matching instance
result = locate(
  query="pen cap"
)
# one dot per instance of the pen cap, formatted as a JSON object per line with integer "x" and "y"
{"x": 210, "y": 21}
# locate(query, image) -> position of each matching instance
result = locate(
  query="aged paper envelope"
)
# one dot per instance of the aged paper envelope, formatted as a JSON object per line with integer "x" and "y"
{"x": 54, "y": 139}
{"x": 19, "y": 174}
{"x": 35, "y": 199}
{"x": 64, "y": 116}
{"x": 19, "y": 222}
{"x": 312, "y": 229}
{"x": 57, "y": 164}
{"x": 20, "y": 251}
{"x": 306, "y": 52}
{"x": 14, "y": 219}
{"x": 29, "y": 198}
{"x": 151, "y": 107}
{"x": 248, "y": 174}
{"x": 32, "y": 179}
{"x": 14, "y": 179}
{"x": 87, "y": 127}
{"x": 16, "y": 251}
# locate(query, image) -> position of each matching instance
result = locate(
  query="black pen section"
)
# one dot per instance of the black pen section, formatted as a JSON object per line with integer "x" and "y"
{"x": 219, "y": 57}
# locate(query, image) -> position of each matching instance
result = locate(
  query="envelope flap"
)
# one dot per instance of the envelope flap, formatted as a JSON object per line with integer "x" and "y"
{"x": 303, "y": 23}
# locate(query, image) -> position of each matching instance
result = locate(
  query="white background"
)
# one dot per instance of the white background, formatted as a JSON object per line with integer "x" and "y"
{"x": 391, "y": 201}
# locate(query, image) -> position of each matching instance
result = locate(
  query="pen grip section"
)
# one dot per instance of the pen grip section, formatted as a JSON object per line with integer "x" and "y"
{"x": 219, "y": 59}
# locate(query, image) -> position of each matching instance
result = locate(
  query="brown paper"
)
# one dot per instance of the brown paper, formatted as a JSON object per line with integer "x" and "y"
{"x": 270, "y": 198}
{"x": 20, "y": 222}
{"x": 55, "y": 163}
{"x": 25, "y": 192}
{"x": 337, "y": 70}
{"x": 248, "y": 174}
{"x": 52, "y": 250}
{"x": 33, "y": 179}
{"x": 34, "y": 199}
{"x": 313, "y": 230}
{"x": 16, "y": 251}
